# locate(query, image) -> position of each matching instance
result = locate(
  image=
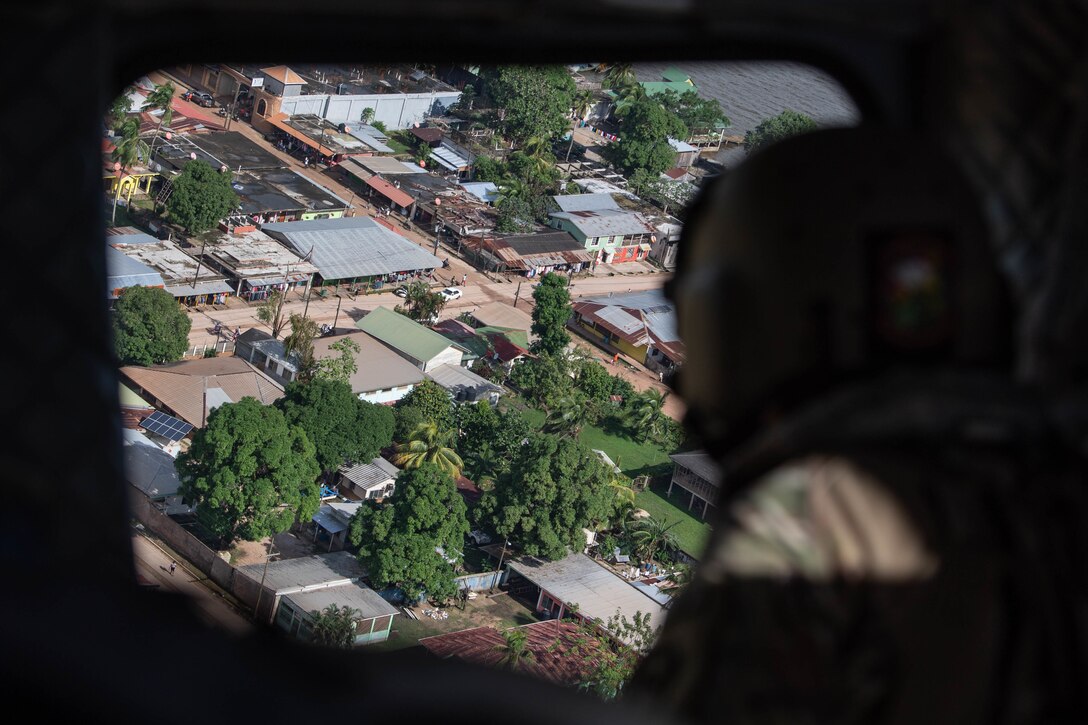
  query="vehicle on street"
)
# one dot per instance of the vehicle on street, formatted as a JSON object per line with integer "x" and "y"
{"x": 451, "y": 293}
{"x": 201, "y": 98}
{"x": 401, "y": 291}
{"x": 478, "y": 537}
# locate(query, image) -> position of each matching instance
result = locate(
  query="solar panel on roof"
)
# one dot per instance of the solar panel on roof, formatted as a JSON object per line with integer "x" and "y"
{"x": 166, "y": 426}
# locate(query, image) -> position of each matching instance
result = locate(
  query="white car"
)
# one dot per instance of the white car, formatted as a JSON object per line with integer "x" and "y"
{"x": 451, "y": 293}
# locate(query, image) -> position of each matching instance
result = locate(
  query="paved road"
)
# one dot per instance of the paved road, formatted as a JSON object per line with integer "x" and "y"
{"x": 153, "y": 567}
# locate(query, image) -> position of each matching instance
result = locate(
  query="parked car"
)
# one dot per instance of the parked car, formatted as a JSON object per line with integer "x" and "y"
{"x": 201, "y": 98}
{"x": 401, "y": 291}
{"x": 451, "y": 293}
{"x": 479, "y": 538}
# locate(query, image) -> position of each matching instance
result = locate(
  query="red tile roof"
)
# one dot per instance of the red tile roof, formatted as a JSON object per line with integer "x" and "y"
{"x": 504, "y": 349}
{"x": 561, "y": 652}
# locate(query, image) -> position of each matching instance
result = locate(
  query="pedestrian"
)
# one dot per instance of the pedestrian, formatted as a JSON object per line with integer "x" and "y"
{"x": 615, "y": 358}
{"x": 237, "y": 332}
{"x": 173, "y": 566}
{"x": 464, "y": 279}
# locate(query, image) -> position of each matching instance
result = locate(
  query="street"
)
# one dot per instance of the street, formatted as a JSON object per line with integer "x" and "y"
{"x": 153, "y": 567}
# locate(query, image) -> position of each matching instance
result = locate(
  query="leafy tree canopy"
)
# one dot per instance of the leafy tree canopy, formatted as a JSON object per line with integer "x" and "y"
{"x": 612, "y": 663}
{"x": 694, "y": 112}
{"x": 645, "y": 129}
{"x": 427, "y": 402}
{"x": 533, "y": 100}
{"x": 554, "y": 489}
{"x": 149, "y": 327}
{"x": 249, "y": 473}
{"x": 201, "y": 197}
{"x": 398, "y": 541}
{"x": 334, "y": 626}
{"x": 339, "y": 367}
{"x": 343, "y": 428}
{"x": 542, "y": 378}
{"x": 486, "y": 168}
{"x": 774, "y": 129}
{"x": 119, "y": 110}
{"x": 550, "y": 314}
{"x": 481, "y": 425}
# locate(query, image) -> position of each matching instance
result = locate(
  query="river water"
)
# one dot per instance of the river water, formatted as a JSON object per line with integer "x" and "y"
{"x": 753, "y": 91}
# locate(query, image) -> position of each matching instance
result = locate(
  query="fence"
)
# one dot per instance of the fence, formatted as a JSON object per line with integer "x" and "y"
{"x": 221, "y": 348}
{"x": 480, "y": 582}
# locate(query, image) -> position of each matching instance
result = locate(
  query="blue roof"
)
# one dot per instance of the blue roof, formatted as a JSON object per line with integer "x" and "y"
{"x": 124, "y": 271}
{"x": 482, "y": 190}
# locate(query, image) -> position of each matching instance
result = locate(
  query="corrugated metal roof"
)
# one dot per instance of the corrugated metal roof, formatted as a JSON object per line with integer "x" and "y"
{"x": 376, "y": 366}
{"x": 681, "y": 146}
{"x": 598, "y": 592}
{"x": 702, "y": 464}
{"x": 353, "y": 247}
{"x": 289, "y": 576}
{"x": 328, "y": 521}
{"x": 621, "y": 320}
{"x": 201, "y": 288}
{"x": 498, "y": 314}
{"x": 363, "y": 167}
{"x": 457, "y": 380}
{"x": 485, "y": 191}
{"x": 383, "y": 187}
{"x": 370, "y": 139}
{"x": 403, "y": 334}
{"x": 449, "y": 158}
{"x": 124, "y": 271}
{"x": 606, "y": 222}
{"x": 147, "y": 466}
{"x": 357, "y": 596}
{"x": 368, "y": 475}
{"x": 585, "y": 202}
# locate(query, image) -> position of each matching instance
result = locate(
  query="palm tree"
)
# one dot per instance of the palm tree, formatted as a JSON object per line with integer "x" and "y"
{"x": 567, "y": 416}
{"x": 619, "y": 75}
{"x": 162, "y": 99}
{"x": 644, "y": 415}
{"x": 485, "y": 467}
{"x": 367, "y": 115}
{"x": 582, "y": 103}
{"x": 515, "y": 650}
{"x": 428, "y": 444}
{"x": 300, "y": 343}
{"x": 650, "y": 536}
{"x": 128, "y": 146}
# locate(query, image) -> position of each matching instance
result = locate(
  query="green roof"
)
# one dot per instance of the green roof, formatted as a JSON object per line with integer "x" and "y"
{"x": 675, "y": 75}
{"x": 401, "y": 333}
{"x": 518, "y": 337}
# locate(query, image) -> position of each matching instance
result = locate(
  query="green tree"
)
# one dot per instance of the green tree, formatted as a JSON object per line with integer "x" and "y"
{"x": 426, "y": 402}
{"x": 645, "y": 419}
{"x": 299, "y": 345}
{"x": 343, "y": 428}
{"x": 149, "y": 327}
{"x": 342, "y": 366}
{"x": 613, "y": 651}
{"x": 649, "y": 536}
{"x": 551, "y": 311}
{"x": 515, "y": 216}
{"x": 694, "y": 112}
{"x": 270, "y": 312}
{"x": 422, "y": 152}
{"x": 485, "y": 168}
{"x": 367, "y": 115}
{"x": 774, "y": 129}
{"x": 335, "y": 626}
{"x": 468, "y": 97}
{"x": 481, "y": 425}
{"x": 582, "y": 103}
{"x": 119, "y": 110}
{"x": 645, "y": 130}
{"x": 542, "y": 378}
{"x": 619, "y": 75}
{"x": 398, "y": 541}
{"x": 249, "y": 473}
{"x": 162, "y": 99}
{"x": 429, "y": 444}
{"x": 128, "y": 147}
{"x": 554, "y": 489}
{"x": 594, "y": 380}
{"x": 532, "y": 100}
{"x": 568, "y": 414}
{"x": 515, "y": 650}
{"x": 201, "y": 197}
{"x": 422, "y": 303}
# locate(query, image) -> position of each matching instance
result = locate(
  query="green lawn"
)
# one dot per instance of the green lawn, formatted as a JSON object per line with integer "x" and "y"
{"x": 691, "y": 531}
{"x": 499, "y": 612}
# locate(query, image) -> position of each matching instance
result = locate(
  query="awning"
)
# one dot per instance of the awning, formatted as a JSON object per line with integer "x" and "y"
{"x": 327, "y": 521}
{"x": 278, "y": 122}
{"x": 390, "y": 192}
{"x": 204, "y": 288}
{"x": 265, "y": 281}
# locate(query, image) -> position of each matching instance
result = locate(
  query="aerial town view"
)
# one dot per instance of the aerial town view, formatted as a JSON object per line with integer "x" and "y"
{"x": 394, "y": 353}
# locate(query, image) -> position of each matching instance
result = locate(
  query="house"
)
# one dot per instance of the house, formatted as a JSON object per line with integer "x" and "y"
{"x": 424, "y": 348}
{"x": 294, "y": 588}
{"x": 641, "y": 325}
{"x": 485, "y": 191}
{"x": 374, "y": 480}
{"x": 381, "y": 375}
{"x": 500, "y": 346}
{"x": 585, "y": 202}
{"x": 698, "y": 474}
{"x": 464, "y": 385}
{"x": 150, "y": 469}
{"x": 664, "y": 248}
{"x": 500, "y": 314}
{"x": 529, "y": 254}
{"x": 123, "y": 271}
{"x": 686, "y": 154}
{"x": 183, "y": 276}
{"x": 612, "y": 236}
{"x": 577, "y": 579}
{"x": 257, "y": 264}
{"x": 332, "y": 522}
{"x": 356, "y": 249}
{"x": 191, "y": 389}
{"x": 560, "y": 651}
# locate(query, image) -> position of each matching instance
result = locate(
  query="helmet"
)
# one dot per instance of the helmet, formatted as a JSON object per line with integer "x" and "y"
{"x": 834, "y": 254}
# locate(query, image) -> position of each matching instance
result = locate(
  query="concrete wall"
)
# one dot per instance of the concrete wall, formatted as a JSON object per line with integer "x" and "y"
{"x": 391, "y": 395}
{"x": 450, "y": 356}
{"x": 395, "y": 110}
{"x": 481, "y": 582}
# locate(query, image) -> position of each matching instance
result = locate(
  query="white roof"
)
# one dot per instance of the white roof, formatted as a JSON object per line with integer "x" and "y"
{"x": 357, "y": 596}
{"x": 681, "y": 146}
{"x": 353, "y": 247}
{"x": 606, "y": 222}
{"x": 288, "y": 576}
{"x": 585, "y": 202}
{"x": 578, "y": 579}
{"x": 449, "y": 158}
{"x": 147, "y": 466}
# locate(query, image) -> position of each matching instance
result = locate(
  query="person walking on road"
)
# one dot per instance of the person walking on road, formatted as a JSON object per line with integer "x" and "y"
{"x": 173, "y": 566}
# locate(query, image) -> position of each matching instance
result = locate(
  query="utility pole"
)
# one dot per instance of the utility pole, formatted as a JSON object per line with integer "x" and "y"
{"x": 233, "y": 105}
{"x": 336, "y": 317}
{"x": 498, "y": 575}
{"x": 517, "y": 295}
{"x": 260, "y": 591}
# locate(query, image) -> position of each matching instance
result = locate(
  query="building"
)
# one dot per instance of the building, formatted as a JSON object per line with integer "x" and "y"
{"x": 611, "y": 235}
{"x": 500, "y": 314}
{"x": 530, "y": 255}
{"x": 374, "y": 480}
{"x": 560, "y": 651}
{"x": 295, "y": 588}
{"x": 150, "y": 468}
{"x": 257, "y": 264}
{"x": 353, "y": 250}
{"x": 686, "y": 154}
{"x": 319, "y": 137}
{"x": 381, "y": 375}
{"x": 124, "y": 271}
{"x": 192, "y": 389}
{"x": 586, "y": 202}
{"x": 577, "y": 579}
{"x": 422, "y": 347}
{"x": 698, "y": 474}
{"x": 465, "y": 386}
{"x": 641, "y": 325}
{"x": 182, "y": 275}
{"x": 663, "y": 250}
